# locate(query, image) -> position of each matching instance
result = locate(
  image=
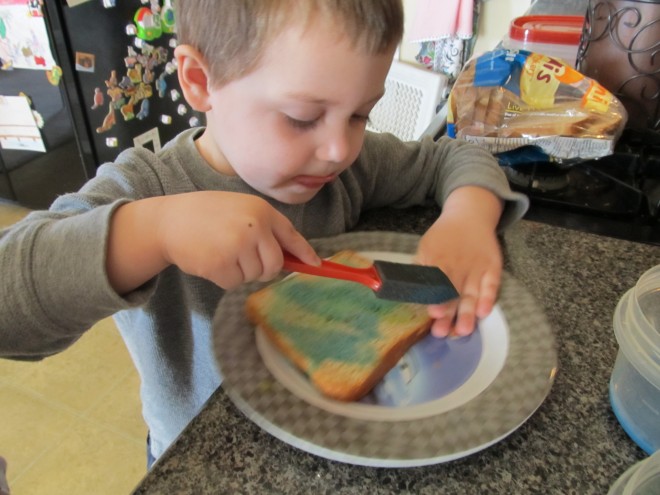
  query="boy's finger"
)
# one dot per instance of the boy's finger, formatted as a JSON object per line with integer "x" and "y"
{"x": 465, "y": 318}
{"x": 490, "y": 284}
{"x": 270, "y": 253}
{"x": 292, "y": 241}
{"x": 250, "y": 263}
{"x": 445, "y": 310}
{"x": 441, "y": 327}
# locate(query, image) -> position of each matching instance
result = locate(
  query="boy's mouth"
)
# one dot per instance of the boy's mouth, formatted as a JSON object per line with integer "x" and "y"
{"x": 313, "y": 181}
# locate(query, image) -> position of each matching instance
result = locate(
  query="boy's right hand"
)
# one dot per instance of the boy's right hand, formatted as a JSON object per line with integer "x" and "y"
{"x": 227, "y": 238}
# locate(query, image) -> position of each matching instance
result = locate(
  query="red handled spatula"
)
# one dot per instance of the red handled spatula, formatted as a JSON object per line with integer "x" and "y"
{"x": 395, "y": 281}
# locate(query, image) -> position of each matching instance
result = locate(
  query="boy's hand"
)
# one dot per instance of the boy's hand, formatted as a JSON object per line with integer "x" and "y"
{"x": 227, "y": 238}
{"x": 463, "y": 243}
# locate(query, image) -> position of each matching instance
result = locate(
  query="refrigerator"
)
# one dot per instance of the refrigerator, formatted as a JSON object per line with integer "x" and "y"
{"x": 111, "y": 84}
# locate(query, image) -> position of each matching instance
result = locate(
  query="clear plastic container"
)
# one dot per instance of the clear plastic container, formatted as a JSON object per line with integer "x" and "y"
{"x": 635, "y": 380}
{"x": 554, "y": 35}
{"x": 642, "y": 478}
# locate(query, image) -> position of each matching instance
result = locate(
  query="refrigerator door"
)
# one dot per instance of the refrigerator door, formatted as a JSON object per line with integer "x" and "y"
{"x": 35, "y": 178}
{"x": 122, "y": 54}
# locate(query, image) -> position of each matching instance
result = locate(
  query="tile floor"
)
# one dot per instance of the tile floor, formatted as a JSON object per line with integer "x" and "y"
{"x": 72, "y": 423}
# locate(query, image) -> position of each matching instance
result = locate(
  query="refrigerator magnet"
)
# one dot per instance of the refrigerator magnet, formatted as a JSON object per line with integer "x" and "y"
{"x": 108, "y": 122}
{"x": 167, "y": 17}
{"x": 111, "y": 82}
{"x": 144, "y": 110}
{"x": 143, "y": 90}
{"x": 148, "y": 76}
{"x": 132, "y": 58}
{"x": 170, "y": 67}
{"x": 135, "y": 73}
{"x": 148, "y": 24}
{"x": 149, "y": 140}
{"x": 116, "y": 95}
{"x": 161, "y": 85}
{"x": 98, "y": 98}
{"x": 85, "y": 62}
{"x": 127, "y": 110}
{"x": 54, "y": 75}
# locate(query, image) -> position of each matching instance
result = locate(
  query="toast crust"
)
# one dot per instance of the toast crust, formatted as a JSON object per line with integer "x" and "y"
{"x": 395, "y": 330}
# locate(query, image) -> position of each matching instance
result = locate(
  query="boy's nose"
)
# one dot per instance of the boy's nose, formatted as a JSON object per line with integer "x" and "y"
{"x": 335, "y": 145}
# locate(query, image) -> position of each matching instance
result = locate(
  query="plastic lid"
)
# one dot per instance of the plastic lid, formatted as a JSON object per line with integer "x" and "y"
{"x": 559, "y": 29}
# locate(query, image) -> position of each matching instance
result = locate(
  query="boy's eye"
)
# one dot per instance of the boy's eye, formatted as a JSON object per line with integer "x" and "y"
{"x": 310, "y": 124}
{"x": 363, "y": 119}
{"x": 301, "y": 124}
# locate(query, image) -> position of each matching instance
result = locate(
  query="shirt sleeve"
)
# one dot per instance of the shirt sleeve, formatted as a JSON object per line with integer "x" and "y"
{"x": 403, "y": 174}
{"x": 54, "y": 284}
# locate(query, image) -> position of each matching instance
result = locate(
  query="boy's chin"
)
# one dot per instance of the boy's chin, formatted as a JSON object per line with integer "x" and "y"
{"x": 293, "y": 199}
{"x": 291, "y": 196}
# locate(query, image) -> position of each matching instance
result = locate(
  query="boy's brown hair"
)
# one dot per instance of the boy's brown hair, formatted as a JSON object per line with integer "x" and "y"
{"x": 231, "y": 34}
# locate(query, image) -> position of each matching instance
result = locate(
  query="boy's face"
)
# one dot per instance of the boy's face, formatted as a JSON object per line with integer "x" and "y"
{"x": 295, "y": 122}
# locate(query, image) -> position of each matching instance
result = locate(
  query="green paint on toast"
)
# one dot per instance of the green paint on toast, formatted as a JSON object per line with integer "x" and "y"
{"x": 326, "y": 319}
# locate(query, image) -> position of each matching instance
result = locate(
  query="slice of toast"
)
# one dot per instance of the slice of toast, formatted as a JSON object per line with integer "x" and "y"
{"x": 338, "y": 333}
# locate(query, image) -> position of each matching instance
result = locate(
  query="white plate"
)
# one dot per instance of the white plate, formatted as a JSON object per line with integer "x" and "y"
{"x": 486, "y": 386}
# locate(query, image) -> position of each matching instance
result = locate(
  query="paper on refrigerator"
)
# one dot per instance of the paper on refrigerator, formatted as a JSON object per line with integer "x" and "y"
{"x": 18, "y": 127}
{"x": 24, "y": 42}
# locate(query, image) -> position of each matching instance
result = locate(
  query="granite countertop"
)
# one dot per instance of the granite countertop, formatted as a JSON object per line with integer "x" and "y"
{"x": 571, "y": 444}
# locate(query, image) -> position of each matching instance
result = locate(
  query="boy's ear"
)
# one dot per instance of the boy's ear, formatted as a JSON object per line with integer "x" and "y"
{"x": 193, "y": 77}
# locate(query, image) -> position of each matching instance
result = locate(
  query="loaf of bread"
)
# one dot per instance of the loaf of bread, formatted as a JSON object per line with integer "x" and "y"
{"x": 508, "y": 99}
{"x": 338, "y": 333}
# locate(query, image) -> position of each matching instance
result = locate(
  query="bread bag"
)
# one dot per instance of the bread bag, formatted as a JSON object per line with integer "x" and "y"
{"x": 507, "y": 99}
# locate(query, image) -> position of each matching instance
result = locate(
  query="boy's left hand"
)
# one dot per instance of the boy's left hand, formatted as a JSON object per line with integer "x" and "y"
{"x": 464, "y": 244}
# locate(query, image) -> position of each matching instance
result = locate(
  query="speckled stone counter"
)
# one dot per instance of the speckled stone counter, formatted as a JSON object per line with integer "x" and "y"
{"x": 572, "y": 444}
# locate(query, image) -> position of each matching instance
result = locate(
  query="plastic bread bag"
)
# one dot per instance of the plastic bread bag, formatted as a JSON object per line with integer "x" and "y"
{"x": 510, "y": 99}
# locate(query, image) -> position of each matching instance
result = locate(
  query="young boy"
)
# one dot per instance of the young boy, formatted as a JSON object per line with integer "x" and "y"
{"x": 155, "y": 239}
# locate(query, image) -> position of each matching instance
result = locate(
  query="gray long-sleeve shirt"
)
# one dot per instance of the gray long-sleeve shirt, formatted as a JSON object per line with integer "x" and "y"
{"x": 54, "y": 284}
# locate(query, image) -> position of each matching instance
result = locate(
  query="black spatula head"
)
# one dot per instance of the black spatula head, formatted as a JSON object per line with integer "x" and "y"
{"x": 414, "y": 283}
